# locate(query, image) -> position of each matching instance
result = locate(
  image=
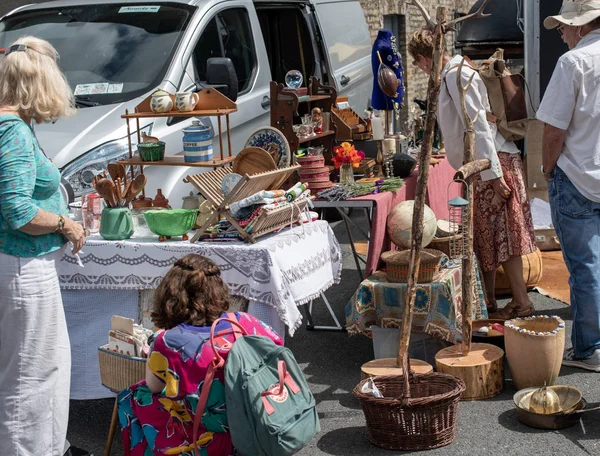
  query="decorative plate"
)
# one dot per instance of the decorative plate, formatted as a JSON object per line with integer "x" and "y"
{"x": 265, "y": 137}
{"x": 229, "y": 182}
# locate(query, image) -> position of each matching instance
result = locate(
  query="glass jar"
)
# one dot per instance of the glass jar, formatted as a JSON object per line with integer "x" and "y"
{"x": 346, "y": 174}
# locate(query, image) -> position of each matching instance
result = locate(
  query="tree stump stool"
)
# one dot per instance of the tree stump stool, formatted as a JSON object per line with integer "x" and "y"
{"x": 387, "y": 366}
{"x": 482, "y": 369}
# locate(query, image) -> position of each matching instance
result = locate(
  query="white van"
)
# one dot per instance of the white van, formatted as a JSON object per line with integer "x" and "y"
{"x": 115, "y": 53}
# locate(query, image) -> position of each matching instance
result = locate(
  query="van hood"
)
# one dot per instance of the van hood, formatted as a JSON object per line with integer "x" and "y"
{"x": 70, "y": 138}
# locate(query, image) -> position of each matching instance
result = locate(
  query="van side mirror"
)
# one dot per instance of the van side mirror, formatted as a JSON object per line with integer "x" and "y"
{"x": 221, "y": 75}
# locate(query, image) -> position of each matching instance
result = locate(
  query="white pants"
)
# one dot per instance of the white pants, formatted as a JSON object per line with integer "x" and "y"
{"x": 35, "y": 358}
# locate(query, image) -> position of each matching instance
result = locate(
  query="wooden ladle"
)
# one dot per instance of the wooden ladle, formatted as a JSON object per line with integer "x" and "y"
{"x": 136, "y": 187}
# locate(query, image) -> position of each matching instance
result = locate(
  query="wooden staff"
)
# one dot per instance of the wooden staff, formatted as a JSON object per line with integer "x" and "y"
{"x": 440, "y": 27}
{"x": 467, "y": 262}
{"x": 470, "y": 169}
{"x": 433, "y": 93}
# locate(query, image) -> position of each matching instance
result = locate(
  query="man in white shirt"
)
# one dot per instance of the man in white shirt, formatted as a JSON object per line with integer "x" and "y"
{"x": 571, "y": 165}
{"x": 503, "y": 229}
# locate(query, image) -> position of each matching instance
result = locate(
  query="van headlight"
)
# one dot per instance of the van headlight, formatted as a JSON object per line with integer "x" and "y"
{"x": 79, "y": 174}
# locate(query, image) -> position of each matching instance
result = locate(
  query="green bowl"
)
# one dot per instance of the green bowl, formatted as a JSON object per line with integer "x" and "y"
{"x": 171, "y": 222}
{"x": 152, "y": 151}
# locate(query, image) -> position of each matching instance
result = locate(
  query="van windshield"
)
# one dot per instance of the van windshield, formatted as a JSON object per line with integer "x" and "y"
{"x": 110, "y": 53}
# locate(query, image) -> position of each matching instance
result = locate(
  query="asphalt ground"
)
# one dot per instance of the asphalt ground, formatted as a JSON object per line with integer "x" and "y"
{"x": 331, "y": 362}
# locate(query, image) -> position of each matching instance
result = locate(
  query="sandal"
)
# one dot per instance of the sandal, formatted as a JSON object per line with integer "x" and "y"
{"x": 511, "y": 311}
{"x": 492, "y": 305}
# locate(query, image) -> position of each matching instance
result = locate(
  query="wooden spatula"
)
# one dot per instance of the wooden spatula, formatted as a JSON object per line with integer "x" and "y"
{"x": 117, "y": 171}
{"x": 136, "y": 187}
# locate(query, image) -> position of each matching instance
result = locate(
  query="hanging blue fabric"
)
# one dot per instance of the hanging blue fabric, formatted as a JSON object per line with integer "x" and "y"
{"x": 387, "y": 46}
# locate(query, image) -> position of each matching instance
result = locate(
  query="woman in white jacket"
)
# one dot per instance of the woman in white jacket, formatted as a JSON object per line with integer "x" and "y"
{"x": 503, "y": 228}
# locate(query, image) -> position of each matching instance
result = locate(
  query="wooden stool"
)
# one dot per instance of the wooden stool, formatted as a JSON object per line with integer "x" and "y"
{"x": 387, "y": 366}
{"x": 482, "y": 369}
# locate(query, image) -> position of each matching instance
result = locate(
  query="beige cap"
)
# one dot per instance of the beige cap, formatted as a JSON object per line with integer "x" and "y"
{"x": 575, "y": 13}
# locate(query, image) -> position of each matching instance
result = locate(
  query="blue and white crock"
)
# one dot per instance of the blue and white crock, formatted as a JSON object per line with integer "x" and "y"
{"x": 197, "y": 143}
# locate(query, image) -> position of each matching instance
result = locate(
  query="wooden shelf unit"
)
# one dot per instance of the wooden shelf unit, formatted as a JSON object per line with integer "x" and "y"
{"x": 287, "y": 107}
{"x": 211, "y": 103}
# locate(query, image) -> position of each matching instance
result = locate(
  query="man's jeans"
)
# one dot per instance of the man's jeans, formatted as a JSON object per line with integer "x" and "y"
{"x": 576, "y": 220}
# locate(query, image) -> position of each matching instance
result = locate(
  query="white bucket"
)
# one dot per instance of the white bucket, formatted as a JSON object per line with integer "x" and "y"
{"x": 385, "y": 341}
{"x": 422, "y": 346}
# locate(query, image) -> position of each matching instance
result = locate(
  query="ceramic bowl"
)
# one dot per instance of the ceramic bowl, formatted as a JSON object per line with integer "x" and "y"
{"x": 497, "y": 340}
{"x": 171, "y": 222}
{"x": 151, "y": 151}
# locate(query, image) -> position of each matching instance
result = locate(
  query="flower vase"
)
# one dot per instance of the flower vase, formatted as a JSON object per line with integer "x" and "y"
{"x": 346, "y": 174}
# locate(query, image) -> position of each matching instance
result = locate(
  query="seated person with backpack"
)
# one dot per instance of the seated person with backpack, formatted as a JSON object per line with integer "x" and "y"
{"x": 157, "y": 414}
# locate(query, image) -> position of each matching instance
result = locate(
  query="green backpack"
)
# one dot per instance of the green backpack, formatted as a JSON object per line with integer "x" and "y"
{"x": 270, "y": 408}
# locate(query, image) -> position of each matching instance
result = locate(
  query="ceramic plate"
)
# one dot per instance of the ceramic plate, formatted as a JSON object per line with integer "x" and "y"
{"x": 229, "y": 182}
{"x": 265, "y": 136}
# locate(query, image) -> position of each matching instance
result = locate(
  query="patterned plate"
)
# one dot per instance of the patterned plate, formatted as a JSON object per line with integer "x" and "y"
{"x": 264, "y": 137}
{"x": 229, "y": 182}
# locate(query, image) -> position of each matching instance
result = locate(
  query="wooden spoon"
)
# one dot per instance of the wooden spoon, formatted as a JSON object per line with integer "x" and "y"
{"x": 136, "y": 187}
{"x": 104, "y": 187}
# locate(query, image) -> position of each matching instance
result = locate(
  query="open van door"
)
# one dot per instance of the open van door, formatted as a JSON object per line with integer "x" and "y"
{"x": 348, "y": 42}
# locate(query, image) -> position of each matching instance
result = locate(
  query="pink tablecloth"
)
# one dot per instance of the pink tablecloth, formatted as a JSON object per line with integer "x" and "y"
{"x": 437, "y": 199}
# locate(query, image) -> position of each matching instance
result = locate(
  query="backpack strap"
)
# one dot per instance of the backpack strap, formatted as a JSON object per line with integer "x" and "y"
{"x": 217, "y": 363}
{"x": 488, "y": 115}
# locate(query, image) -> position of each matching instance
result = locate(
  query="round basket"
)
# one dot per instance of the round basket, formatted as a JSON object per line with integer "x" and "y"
{"x": 443, "y": 243}
{"x": 396, "y": 262}
{"x": 428, "y": 418}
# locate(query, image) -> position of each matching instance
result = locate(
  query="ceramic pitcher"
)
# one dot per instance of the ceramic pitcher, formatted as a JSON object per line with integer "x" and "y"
{"x": 186, "y": 101}
{"x": 116, "y": 223}
{"x": 161, "y": 101}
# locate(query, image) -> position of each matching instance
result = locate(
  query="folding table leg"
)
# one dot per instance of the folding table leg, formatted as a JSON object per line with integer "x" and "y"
{"x": 113, "y": 427}
{"x": 310, "y": 324}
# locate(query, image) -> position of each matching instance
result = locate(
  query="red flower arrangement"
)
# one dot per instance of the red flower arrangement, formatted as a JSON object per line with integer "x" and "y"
{"x": 346, "y": 154}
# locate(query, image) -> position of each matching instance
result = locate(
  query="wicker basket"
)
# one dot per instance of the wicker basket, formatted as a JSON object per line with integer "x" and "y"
{"x": 426, "y": 421}
{"x": 443, "y": 243}
{"x": 397, "y": 265}
{"x": 117, "y": 371}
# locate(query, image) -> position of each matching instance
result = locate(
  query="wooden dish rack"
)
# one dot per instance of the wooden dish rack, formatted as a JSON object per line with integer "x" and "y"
{"x": 267, "y": 221}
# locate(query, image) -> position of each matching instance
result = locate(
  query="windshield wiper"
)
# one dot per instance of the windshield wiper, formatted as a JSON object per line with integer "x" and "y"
{"x": 84, "y": 102}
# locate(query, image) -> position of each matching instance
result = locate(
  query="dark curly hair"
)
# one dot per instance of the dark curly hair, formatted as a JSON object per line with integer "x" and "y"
{"x": 192, "y": 292}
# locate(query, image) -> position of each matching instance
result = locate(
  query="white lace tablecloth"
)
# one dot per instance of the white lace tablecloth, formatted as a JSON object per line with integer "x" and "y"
{"x": 281, "y": 271}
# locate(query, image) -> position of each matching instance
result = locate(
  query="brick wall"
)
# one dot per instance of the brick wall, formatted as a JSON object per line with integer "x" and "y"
{"x": 415, "y": 80}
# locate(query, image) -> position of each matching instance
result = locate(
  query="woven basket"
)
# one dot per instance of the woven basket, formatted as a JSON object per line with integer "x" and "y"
{"x": 117, "y": 371}
{"x": 397, "y": 265}
{"x": 443, "y": 243}
{"x": 426, "y": 421}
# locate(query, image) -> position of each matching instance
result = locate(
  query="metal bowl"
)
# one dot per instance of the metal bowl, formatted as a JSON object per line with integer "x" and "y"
{"x": 571, "y": 401}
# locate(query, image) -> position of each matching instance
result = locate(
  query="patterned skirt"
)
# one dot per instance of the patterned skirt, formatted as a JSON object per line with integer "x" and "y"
{"x": 502, "y": 229}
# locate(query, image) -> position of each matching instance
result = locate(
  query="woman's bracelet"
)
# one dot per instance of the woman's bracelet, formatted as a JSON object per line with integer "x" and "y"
{"x": 61, "y": 224}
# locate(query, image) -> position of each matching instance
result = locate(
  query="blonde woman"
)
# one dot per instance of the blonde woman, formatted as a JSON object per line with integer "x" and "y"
{"x": 35, "y": 356}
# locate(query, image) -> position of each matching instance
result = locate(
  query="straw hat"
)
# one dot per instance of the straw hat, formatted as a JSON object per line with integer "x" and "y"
{"x": 575, "y": 13}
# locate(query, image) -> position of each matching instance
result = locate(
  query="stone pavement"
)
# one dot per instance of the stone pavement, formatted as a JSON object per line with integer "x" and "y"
{"x": 331, "y": 363}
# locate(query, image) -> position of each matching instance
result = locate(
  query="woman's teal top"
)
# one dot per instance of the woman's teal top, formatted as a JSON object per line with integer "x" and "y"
{"x": 28, "y": 182}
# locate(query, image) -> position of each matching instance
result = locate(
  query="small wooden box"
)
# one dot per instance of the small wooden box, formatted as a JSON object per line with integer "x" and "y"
{"x": 349, "y": 124}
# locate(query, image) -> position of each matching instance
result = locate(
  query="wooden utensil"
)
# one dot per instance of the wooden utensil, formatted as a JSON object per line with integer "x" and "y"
{"x": 136, "y": 187}
{"x": 119, "y": 190}
{"x": 104, "y": 187}
{"x": 117, "y": 171}
{"x": 252, "y": 160}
